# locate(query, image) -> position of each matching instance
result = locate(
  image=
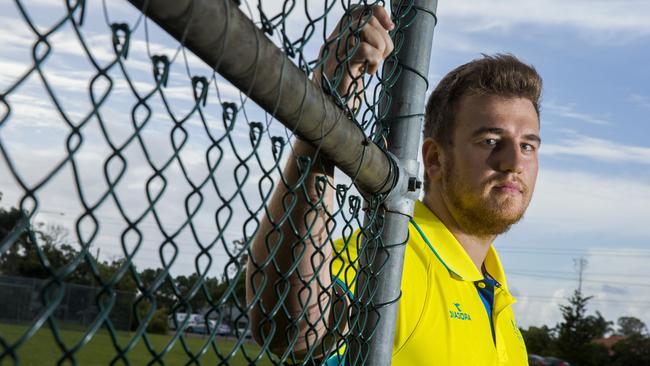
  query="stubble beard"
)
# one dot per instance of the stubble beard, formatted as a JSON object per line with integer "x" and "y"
{"x": 479, "y": 215}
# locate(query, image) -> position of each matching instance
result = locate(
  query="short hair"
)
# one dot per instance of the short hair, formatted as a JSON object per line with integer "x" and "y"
{"x": 500, "y": 74}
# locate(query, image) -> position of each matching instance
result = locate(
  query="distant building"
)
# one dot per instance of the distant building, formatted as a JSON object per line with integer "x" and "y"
{"x": 609, "y": 342}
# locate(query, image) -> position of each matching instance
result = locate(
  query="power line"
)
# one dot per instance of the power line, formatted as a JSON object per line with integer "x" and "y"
{"x": 542, "y": 297}
{"x": 550, "y": 277}
{"x": 587, "y": 273}
{"x": 589, "y": 252}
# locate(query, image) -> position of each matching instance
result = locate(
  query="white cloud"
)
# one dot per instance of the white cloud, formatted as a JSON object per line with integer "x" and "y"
{"x": 641, "y": 100}
{"x": 577, "y": 202}
{"x": 33, "y": 113}
{"x": 34, "y": 162}
{"x": 569, "y": 111}
{"x": 600, "y": 217}
{"x": 617, "y": 284}
{"x": 604, "y": 20}
{"x": 597, "y": 149}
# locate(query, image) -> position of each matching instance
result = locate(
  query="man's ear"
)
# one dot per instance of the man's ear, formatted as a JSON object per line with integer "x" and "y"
{"x": 432, "y": 157}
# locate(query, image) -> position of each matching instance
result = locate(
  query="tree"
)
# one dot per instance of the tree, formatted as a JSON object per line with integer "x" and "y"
{"x": 10, "y": 263}
{"x": 164, "y": 294}
{"x": 539, "y": 340}
{"x": 576, "y": 332}
{"x": 599, "y": 327}
{"x": 108, "y": 269}
{"x": 629, "y": 325}
{"x": 34, "y": 247}
{"x": 22, "y": 258}
{"x": 184, "y": 285}
{"x": 633, "y": 350}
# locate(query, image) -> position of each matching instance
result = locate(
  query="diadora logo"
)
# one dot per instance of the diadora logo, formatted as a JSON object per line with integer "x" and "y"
{"x": 458, "y": 313}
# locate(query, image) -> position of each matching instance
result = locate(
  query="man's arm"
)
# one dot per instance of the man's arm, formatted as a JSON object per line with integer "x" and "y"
{"x": 295, "y": 224}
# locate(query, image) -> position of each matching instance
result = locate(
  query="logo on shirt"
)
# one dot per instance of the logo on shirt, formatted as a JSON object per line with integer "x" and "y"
{"x": 458, "y": 313}
{"x": 515, "y": 329}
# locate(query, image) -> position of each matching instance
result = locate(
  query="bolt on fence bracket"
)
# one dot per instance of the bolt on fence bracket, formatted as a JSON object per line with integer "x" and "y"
{"x": 407, "y": 187}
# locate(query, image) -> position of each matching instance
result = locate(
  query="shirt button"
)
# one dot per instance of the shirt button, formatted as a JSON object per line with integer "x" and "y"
{"x": 480, "y": 284}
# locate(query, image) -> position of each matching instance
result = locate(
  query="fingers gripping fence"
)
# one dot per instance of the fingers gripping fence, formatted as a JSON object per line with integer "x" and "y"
{"x": 138, "y": 181}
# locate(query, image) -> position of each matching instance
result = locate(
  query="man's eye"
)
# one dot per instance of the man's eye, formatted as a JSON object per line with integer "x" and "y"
{"x": 527, "y": 147}
{"x": 490, "y": 142}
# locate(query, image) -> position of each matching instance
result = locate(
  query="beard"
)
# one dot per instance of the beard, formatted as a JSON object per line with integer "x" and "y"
{"x": 479, "y": 212}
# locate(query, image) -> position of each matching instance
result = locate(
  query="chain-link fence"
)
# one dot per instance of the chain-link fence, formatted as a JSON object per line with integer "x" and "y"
{"x": 140, "y": 157}
{"x": 20, "y": 303}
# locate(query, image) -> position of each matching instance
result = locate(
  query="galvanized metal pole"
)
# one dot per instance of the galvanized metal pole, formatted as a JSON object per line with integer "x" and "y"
{"x": 380, "y": 274}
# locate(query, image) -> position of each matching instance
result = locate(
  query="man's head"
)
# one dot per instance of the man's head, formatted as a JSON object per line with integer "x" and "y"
{"x": 481, "y": 140}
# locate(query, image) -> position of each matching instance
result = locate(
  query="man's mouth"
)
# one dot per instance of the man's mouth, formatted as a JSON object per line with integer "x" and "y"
{"x": 511, "y": 188}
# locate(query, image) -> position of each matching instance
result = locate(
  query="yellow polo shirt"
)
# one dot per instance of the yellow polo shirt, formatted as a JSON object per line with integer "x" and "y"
{"x": 442, "y": 319}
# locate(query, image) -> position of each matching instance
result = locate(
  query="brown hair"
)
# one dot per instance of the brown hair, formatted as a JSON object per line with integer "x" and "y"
{"x": 501, "y": 74}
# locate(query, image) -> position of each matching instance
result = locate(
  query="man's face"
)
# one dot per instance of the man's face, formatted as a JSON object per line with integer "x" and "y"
{"x": 489, "y": 171}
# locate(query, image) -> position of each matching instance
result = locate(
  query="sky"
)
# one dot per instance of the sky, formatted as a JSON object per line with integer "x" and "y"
{"x": 592, "y": 199}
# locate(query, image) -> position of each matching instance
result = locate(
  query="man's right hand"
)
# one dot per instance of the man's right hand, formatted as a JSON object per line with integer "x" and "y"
{"x": 372, "y": 24}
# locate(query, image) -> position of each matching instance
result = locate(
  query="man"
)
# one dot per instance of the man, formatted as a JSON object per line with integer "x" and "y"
{"x": 480, "y": 157}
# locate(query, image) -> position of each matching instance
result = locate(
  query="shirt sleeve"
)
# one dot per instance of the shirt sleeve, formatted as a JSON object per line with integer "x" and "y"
{"x": 414, "y": 287}
{"x": 344, "y": 262}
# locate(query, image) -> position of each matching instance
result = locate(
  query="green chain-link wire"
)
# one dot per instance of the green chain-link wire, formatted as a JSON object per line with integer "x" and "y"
{"x": 257, "y": 163}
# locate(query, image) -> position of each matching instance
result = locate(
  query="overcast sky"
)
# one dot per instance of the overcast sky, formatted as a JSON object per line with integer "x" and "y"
{"x": 593, "y": 194}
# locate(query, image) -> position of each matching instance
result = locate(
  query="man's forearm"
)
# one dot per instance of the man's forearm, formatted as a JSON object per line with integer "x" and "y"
{"x": 290, "y": 256}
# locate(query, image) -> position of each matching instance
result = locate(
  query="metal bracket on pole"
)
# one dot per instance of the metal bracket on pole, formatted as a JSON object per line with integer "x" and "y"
{"x": 407, "y": 187}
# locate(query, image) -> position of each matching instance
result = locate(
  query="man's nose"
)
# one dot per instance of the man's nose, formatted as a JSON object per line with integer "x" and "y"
{"x": 511, "y": 158}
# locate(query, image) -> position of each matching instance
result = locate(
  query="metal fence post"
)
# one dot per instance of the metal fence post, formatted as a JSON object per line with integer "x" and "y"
{"x": 381, "y": 266}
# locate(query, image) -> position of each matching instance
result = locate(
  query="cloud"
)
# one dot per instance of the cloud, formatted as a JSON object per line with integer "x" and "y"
{"x": 576, "y": 202}
{"x": 34, "y": 160}
{"x": 598, "y": 150}
{"x": 641, "y": 100}
{"x": 597, "y": 19}
{"x": 36, "y": 114}
{"x": 569, "y": 111}
{"x": 614, "y": 282}
{"x": 614, "y": 290}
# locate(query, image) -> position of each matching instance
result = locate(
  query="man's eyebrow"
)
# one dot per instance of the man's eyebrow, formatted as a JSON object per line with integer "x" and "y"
{"x": 533, "y": 137}
{"x": 500, "y": 131}
{"x": 484, "y": 130}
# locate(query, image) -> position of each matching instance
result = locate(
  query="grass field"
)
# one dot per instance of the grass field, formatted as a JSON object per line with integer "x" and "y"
{"x": 42, "y": 350}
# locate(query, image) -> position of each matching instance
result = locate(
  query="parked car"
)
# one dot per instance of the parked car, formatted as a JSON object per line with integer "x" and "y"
{"x": 199, "y": 326}
{"x": 554, "y": 361}
{"x": 224, "y": 330}
{"x": 180, "y": 319}
{"x": 195, "y": 323}
{"x": 535, "y": 360}
{"x": 243, "y": 332}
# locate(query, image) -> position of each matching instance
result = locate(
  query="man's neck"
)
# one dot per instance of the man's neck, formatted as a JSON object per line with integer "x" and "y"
{"x": 475, "y": 246}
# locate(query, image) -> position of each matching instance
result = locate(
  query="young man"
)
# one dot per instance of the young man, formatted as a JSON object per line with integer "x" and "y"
{"x": 480, "y": 162}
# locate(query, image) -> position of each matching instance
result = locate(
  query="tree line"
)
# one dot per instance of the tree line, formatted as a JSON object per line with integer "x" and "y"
{"x": 44, "y": 249}
{"x": 578, "y": 337}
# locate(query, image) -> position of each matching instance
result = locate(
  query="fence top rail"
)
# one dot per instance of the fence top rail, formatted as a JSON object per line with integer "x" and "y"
{"x": 242, "y": 53}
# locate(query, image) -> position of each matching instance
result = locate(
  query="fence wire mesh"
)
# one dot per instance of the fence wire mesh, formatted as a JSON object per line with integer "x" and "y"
{"x": 133, "y": 169}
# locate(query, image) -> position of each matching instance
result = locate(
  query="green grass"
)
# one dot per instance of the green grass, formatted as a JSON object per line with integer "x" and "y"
{"x": 42, "y": 350}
